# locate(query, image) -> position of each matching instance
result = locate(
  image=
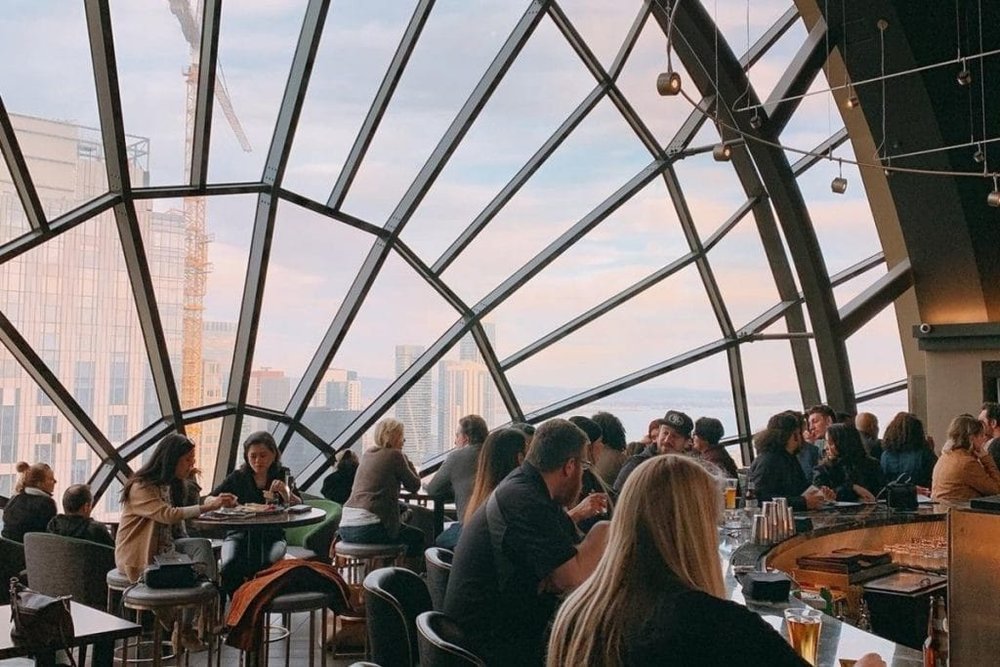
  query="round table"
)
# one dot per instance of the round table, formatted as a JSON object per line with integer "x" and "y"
{"x": 254, "y": 524}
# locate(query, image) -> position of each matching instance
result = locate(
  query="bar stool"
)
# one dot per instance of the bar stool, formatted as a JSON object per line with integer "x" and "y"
{"x": 354, "y": 561}
{"x": 293, "y": 603}
{"x": 203, "y": 597}
{"x": 117, "y": 583}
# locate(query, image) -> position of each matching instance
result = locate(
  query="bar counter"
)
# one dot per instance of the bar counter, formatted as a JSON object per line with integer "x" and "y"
{"x": 868, "y": 526}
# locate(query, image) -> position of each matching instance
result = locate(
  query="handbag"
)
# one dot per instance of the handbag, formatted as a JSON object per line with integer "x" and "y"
{"x": 40, "y": 620}
{"x": 901, "y": 495}
{"x": 170, "y": 571}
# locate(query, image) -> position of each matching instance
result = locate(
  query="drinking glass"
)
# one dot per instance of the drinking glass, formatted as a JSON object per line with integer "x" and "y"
{"x": 731, "y": 493}
{"x": 803, "y": 631}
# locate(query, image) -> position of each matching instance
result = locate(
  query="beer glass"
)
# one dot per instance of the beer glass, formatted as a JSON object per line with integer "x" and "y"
{"x": 803, "y": 631}
{"x": 730, "y": 489}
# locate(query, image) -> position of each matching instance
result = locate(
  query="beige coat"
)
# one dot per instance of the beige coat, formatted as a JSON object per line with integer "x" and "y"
{"x": 137, "y": 540}
{"x": 960, "y": 475}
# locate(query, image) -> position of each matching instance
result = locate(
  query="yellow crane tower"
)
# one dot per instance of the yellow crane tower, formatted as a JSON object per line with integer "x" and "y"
{"x": 196, "y": 265}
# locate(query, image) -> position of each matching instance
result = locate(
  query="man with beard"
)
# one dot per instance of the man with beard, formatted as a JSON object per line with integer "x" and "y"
{"x": 776, "y": 472}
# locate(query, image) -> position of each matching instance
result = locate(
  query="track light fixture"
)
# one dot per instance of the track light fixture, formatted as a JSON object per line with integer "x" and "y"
{"x": 979, "y": 156}
{"x": 964, "y": 76}
{"x": 993, "y": 198}
{"x": 668, "y": 83}
{"x": 852, "y": 99}
{"x": 839, "y": 184}
{"x": 722, "y": 152}
{"x": 755, "y": 120}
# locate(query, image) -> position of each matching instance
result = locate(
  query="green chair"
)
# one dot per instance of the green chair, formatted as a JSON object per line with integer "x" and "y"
{"x": 313, "y": 542}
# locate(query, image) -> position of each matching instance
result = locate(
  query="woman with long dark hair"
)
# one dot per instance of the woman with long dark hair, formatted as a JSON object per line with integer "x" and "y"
{"x": 152, "y": 519}
{"x": 260, "y": 473}
{"x": 846, "y": 467}
{"x": 905, "y": 452}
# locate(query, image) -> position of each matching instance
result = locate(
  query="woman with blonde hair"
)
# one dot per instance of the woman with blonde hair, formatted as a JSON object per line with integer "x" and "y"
{"x": 32, "y": 506}
{"x": 965, "y": 469}
{"x": 371, "y": 514}
{"x": 657, "y": 595}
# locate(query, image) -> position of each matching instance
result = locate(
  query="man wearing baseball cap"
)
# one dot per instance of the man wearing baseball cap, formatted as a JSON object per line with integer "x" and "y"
{"x": 675, "y": 431}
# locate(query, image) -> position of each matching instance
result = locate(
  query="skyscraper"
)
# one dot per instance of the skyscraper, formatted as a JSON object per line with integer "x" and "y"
{"x": 414, "y": 407}
{"x": 462, "y": 390}
{"x": 71, "y": 299}
{"x": 340, "y": 390}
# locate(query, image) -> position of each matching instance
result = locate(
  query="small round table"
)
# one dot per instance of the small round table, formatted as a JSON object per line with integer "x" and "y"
{"x": 255, "y": 524}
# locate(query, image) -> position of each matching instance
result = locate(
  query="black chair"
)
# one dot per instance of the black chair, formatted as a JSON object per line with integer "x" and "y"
{"x": 11, "y": 565}
{"x": 394, "y": 597}
{"x": 438, "y": 563}
{"x": 442, "y": 643}
{"x": 59, "y": 565}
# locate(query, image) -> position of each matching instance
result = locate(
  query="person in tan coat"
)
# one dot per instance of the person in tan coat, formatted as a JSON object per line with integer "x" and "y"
{"x": 965, "y": 469}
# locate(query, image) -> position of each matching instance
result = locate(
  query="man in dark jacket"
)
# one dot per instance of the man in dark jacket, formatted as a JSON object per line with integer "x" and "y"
{"x": 776, "y": 472}
{"x": 77, "y": 504}
{"x": 675, "y": 429}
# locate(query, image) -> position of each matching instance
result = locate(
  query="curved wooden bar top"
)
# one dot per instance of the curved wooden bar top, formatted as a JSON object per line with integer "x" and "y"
{"x": 865, "y": 527}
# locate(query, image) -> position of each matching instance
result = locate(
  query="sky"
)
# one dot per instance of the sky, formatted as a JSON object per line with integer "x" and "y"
{"x": 314, "y": 259}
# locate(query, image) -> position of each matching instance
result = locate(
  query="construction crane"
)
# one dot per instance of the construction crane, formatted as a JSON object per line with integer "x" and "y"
{"x": 196, "y": 265}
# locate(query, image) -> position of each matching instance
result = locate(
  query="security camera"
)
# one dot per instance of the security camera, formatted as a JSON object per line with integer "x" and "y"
{"x": 926, "y": 328}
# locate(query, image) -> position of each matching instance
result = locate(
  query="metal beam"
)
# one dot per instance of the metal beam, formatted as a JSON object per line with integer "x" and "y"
{"x": 116, "y": 163}
{"x": 19, "y": 174}
{"x": 207, "y": 190}
{"x": 786, "y": 97}
{"x": 263, "y": 228}
{"x": 208, "y": 59}
{"x": 380, "y": 103}
{"x": 826, "y": 148}
{"x": 496, "y": 373}
{"x": 883, "y": 292}
{"x": 64, "y": 223}
{"x": 339, "y": 216}
{"x": 696, "y": 37}
{"x": 883, "y": 390}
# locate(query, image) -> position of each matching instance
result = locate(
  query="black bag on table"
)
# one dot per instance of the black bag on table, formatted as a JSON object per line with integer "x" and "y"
{"x": 901, "y": 495}
{"x": 39, "y": 620}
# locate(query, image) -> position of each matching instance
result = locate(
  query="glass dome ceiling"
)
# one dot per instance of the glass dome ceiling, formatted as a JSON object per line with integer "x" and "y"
{"x": 305, "y": 216}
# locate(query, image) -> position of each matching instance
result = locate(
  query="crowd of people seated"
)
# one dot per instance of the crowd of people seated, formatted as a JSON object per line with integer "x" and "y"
{"x": 554, "y": 530}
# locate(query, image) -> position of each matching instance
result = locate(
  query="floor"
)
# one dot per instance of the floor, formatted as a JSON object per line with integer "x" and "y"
{"x": 231, "y": 657}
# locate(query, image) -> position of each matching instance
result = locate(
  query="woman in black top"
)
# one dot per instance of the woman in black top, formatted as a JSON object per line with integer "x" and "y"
{"x": 847, "y": 468}
{"x": 657, "y": 596}
{"x": 261, "y": 472}
{"x": 32, "y": 506}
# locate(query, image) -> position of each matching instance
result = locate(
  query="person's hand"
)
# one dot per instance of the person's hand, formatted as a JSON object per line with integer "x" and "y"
{"x": 213, "y": 503}
{"x": 828, "y": 493}
{"x": 864, "y": 495}
{"x": 814, "y": 498}
{"x": 923, "y": 491}
{"x": 870, "y": 660}
{"x": 279, "y": 487}
{"x": 589, "y": 507}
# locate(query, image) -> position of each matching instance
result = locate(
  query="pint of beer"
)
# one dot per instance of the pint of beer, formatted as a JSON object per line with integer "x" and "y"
{"x": 731, "y": 493}
{"x": 803, "y": 632}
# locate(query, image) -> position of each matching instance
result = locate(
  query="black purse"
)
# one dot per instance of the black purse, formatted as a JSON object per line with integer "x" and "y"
{"x": 901, "y": 495}
{"x": 171, "y": 571}
{"x": 39, "y": 620}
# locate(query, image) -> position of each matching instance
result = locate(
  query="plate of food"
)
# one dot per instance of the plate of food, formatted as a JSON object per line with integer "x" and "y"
{"x": 257, "y": 508}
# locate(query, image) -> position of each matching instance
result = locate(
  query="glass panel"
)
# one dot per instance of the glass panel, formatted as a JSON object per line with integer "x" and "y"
{"x": 844, "y": 292}
{"x": 662, "y": 115}
{"x": 13, "y": 222}
{"x": 227, "y": 224}
{"x": 302, "y": 458}
{"x": 770, "y": 379}
{"x": 635, "y": 241}
{"x": 565, "y": 189}
{"x": 207, "y": 450}
{"x": 256, "y": 43}
{"x": 53, "y": 78}
{"x": 417, "y": 410}
{"x": 694, "y": 389}
{"x": 71, "y": 299}
{"x": 816, "y": 120}
{"x": 876, "y": 353}
{"x": 743, "y": 273}
{"x": 400, "y": 318}
{"x": 736, "y": 20}
{"x": 109, "y": 507}
{"x": 603, "y": 25}
{"x": 154, "y": 90}
{"x": 33, "y": 430}
{"x": 359, "y": 40}
{"x": 768, "y": 69}
{"x": 515, "y": 123}
{"x": 844, "y": 224}
{"x": 662, "y": 322}
{"x": 313, "y": 262}
{"x": 457, "y": 45}
{"x": 712, "y": 189}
